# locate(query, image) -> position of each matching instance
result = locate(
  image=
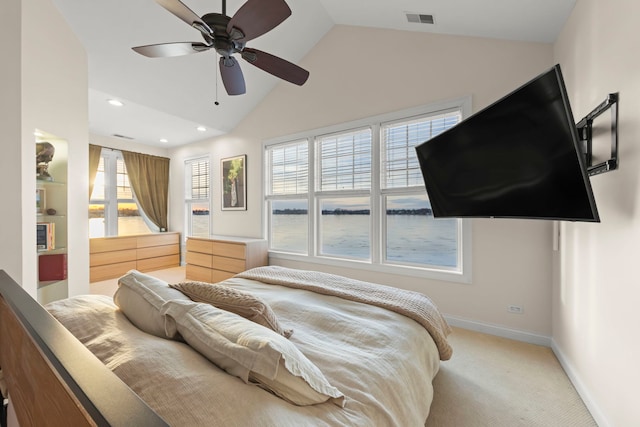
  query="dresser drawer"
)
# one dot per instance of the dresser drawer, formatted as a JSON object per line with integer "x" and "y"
{"x": 110, "y": 271}
{"x": 200, "y": 259}
{"x": 202, "y": 246}
{"x": 158, "y": 239}
{"x": 229, "y": 264}
{"x": 158, "y": 251}
{"x": 106, "y": 258}
{"x": 158, "y": 263}
{"x": 197, "y": 273}
{"x": 230, "y": 250}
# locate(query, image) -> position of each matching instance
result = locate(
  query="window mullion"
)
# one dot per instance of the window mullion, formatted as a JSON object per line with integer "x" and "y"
{"x": 111, "y": 195}
{"x": 311, "y": 204}
{"x": 377, "y": 224}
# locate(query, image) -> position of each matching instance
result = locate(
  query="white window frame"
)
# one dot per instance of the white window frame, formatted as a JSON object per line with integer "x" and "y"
{"x": 188, "y": 201}
{"x": 378, "y": 233}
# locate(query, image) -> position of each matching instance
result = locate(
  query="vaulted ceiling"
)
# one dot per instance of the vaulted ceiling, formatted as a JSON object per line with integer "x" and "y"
{"x": 168, "y": 98}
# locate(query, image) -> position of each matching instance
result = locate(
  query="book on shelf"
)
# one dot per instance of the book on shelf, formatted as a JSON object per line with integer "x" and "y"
{"x": 52, "y": 267}
{"x": 45, "y": 236}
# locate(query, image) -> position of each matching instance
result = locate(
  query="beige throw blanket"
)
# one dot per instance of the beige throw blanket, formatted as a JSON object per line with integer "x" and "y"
{"x": 413, "y": 305}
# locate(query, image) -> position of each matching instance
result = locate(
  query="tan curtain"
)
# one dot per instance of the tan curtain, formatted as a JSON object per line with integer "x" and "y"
{"x": 94, "y": 161}
{"x": 149, "y": 178}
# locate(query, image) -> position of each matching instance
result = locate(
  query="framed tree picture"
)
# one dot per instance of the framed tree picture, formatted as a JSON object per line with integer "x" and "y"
{"x": 234, "y": 183}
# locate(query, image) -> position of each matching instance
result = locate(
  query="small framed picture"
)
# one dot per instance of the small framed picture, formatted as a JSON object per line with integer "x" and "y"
{"x": 233, "y": 181}
{"x": 40, "y": 200}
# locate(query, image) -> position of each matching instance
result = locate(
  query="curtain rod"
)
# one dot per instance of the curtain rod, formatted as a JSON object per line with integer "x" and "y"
{"x": 137, "y": 152}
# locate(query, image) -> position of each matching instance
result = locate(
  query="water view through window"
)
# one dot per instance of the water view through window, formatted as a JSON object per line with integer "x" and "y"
{"x": 199, "y": 220}
{"x": 413, "y": 235}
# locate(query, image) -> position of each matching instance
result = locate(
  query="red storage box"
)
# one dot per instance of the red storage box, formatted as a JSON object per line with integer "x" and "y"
{"x": 52, "y": 267}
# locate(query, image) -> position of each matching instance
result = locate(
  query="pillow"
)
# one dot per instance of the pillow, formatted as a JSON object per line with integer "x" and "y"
{"x": 252, "y": 353}
{"x": 234, "y": 300}
{"x": 140, "y": 297}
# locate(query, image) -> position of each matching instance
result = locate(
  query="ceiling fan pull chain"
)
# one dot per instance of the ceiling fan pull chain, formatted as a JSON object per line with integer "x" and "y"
{"x": 216, "y": 67}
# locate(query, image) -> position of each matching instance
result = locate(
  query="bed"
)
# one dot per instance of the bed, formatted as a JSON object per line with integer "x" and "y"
{"x": 319, "y": 350}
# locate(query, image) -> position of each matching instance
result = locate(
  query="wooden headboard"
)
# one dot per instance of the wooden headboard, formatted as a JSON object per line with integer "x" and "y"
{"x": 54, "y": 380}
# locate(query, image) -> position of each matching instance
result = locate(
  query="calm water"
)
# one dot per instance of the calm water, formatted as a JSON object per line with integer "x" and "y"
{"x": 410, "y": 238}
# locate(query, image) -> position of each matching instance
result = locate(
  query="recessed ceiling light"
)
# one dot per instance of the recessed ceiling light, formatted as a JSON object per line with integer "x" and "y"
{"x": 164, "y": 140}
{"x": 201, "y": 129}
{"x": 115, "y": 102}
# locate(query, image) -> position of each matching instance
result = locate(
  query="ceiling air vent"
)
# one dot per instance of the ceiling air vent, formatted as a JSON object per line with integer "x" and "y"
{"x": 419, "y": 18}
{"x": 117, "y": 135}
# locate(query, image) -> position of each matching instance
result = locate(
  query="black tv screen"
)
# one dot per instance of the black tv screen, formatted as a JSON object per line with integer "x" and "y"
{"x": 517, "y": 158}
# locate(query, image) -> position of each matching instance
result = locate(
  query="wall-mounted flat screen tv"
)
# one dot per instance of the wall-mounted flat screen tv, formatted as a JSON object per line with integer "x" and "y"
{"x": 517, "y": 158}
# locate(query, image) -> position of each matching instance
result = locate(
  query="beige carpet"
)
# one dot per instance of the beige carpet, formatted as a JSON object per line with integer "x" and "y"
{"x": 490, "y": 381}
{"x": 496, "y": 382}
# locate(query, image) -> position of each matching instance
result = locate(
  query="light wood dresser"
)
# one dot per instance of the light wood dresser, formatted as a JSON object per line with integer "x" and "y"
{"x": 217, "y": 258}
{"x": 112, "y": 257}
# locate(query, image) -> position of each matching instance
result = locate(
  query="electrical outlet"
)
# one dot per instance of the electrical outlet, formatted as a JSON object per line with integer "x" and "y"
{"x": 516, "y": 309}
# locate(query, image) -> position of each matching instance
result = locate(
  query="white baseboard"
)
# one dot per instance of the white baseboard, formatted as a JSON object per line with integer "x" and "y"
{"x": 583, "y": 391}
{"x": 499, "y": 331}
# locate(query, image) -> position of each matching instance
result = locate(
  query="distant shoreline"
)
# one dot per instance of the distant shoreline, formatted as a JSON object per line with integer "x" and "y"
{"x": 99, "y": 213}
{"x": 423, "y": 211}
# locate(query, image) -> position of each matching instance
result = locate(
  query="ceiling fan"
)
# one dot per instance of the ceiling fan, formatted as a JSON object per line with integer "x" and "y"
{"x": 228, "y": 36}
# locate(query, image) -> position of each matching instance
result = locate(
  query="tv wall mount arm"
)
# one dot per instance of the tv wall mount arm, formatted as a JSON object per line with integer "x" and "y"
{"x": 585, "y": 134}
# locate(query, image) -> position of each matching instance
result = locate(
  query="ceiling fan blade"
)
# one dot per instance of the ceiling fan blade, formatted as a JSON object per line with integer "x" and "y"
{"x": 171, "y": 49}
{"x": 180, "y": 10}
{"x": 257, "y": 17}
{"x": 277, "y": 66}
{"x": 232, "y": 77}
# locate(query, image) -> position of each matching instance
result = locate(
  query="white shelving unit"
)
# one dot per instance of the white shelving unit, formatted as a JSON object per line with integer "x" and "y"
{"x": 53, "y": 192}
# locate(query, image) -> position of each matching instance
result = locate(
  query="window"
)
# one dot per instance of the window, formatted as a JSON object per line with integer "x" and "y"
{"x": 113, "y": 210}
{"x": 412, "y": 235}
{"x": 343, "y": 194}
{"x": 197, "y": 198}
{"x": 287, "y": 187}
{"x": 359, "y": 199}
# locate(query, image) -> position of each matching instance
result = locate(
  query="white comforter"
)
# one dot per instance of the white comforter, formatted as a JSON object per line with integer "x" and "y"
{"x": 382, "y": 361}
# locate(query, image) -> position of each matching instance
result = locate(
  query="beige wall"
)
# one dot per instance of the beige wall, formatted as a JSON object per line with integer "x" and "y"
{"x": 10, "y": 129}
{"x": 360, "y": 72}
{"x": 596, "y": 288}
{"x": 45, "y": 75}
